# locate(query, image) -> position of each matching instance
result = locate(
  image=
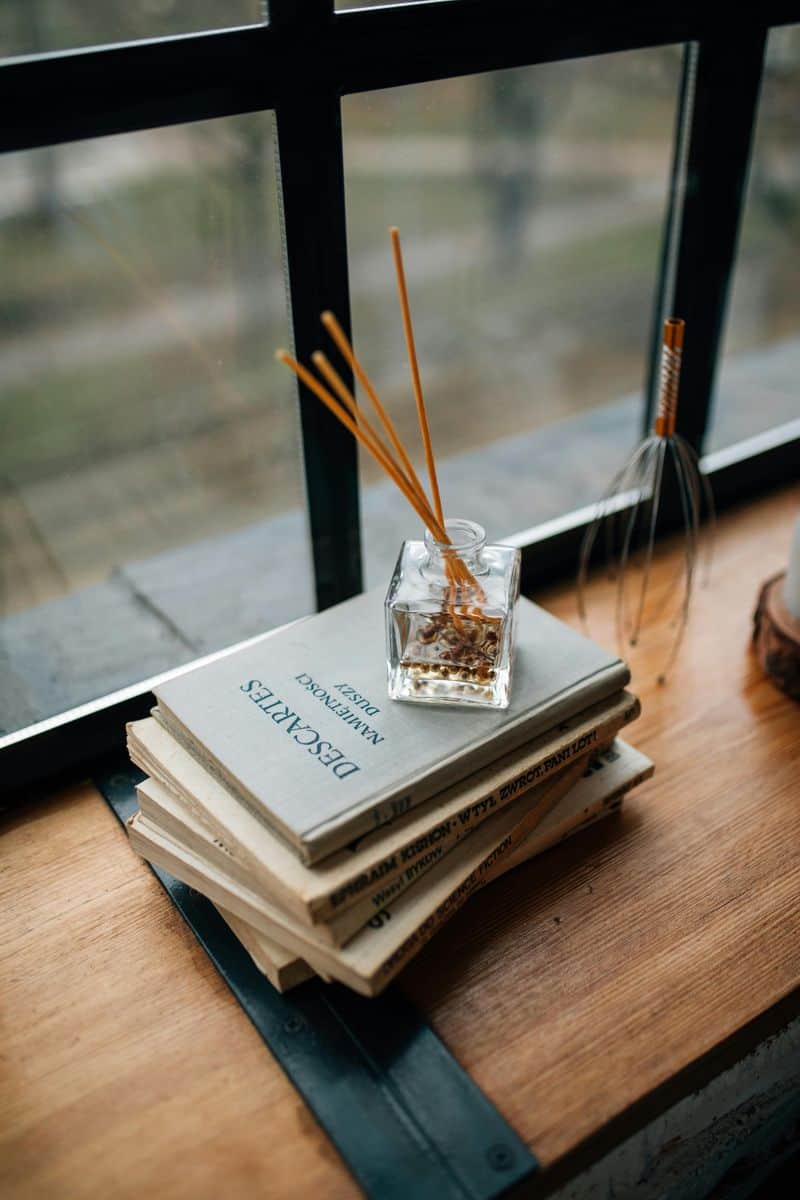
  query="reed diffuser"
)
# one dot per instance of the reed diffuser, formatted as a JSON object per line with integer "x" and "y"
{"x": 451, "y": 600}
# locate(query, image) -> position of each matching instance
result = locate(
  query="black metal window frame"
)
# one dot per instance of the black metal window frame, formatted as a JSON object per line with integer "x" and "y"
{"x": 299, "y": 63}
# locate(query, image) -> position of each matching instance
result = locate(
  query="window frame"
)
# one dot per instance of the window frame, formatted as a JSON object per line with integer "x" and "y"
{"x": 299, "y": 63}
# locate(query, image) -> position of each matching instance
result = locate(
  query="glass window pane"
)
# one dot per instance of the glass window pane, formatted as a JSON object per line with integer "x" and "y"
{"x": 151, "y": 500}
{"x": 40, "y": 26}
{"x": 757, "y": 382}
{"x": 531, "y": 204}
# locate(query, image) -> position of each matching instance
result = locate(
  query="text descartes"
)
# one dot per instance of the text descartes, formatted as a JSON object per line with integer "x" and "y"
{"x": 293, "y": 725}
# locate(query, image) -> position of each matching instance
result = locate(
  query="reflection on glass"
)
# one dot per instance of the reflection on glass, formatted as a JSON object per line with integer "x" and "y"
{"x": 39, "y": 26}
{"x": 757, "y": 383}
{"x": 531, "y": 204}
{"x": 151, "y": 503}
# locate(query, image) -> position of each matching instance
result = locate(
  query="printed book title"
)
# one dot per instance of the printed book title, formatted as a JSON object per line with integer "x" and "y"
{"x": 348, "y": 710}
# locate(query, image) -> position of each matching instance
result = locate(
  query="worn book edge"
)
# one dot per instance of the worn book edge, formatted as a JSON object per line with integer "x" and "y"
{"x": 380, "y": 950}
{"x": 163, "y": 811}
{"x": 379, "y": 810}
{"x": 389, "y": 859}
{"x": 161, "y": 814}
{"x": 353, "y": 964}
{"x": 282, "y": 968}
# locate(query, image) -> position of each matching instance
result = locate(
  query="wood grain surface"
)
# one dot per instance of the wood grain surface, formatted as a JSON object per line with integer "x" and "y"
{"x": 128, "y": 1069}
{"x": 571, "y": 989}
{"x": 589, "y": 978}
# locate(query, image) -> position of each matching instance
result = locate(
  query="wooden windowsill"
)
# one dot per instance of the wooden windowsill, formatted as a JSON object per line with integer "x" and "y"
{"x": 578, "y": 990}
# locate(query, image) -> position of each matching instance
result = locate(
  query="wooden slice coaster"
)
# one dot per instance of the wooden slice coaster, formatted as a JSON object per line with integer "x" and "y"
{"x": 776, "y": 636}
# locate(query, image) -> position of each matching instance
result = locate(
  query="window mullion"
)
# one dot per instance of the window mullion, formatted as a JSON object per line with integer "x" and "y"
{"x": 311, "y": 189}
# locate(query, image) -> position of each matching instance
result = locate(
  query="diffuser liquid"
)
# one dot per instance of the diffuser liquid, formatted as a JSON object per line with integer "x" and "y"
{"x": 450, "y": 624}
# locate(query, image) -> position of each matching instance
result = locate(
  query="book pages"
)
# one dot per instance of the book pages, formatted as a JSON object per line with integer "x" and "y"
{"x": 283, "y": 969}
{"x": 377, "y": 868}
{"x": 378, "y": 951}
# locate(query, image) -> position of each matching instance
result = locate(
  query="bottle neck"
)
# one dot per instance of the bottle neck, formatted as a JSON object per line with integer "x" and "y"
{"x": 467, "y": 540}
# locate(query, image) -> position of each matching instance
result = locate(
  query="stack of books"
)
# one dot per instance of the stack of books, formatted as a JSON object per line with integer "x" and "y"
{"x": 336, "y": 830}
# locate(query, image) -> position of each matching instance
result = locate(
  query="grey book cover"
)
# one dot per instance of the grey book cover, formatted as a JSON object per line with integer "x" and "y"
{"x": 301, "y": 728}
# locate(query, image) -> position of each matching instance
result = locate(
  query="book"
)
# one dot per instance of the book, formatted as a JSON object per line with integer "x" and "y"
{"x": 366, "y": 875}
{"x": 162, "y": 813}
{"x": 594, "y": 797}
{"x": 299, "y": 727}
{"x": 283, "y": 969}
{"x": 314, "y": 944}
{"x": 165, "y": 811}
{"x": 393, "y": 936}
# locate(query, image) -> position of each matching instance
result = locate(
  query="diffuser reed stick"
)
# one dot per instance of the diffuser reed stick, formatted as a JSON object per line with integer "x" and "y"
{"x": 391, "y": 469}
{"x": 348, "y": 353}
{"x": 454, "y": 567}
{"x": 335, "y": 380}
{"x": 416, "y": 382}
{"x": 393, "y": 458}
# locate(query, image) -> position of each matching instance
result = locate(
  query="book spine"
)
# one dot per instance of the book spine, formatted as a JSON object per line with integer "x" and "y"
{"x": 325, "y": 839}
{"x": 404, "y": 866}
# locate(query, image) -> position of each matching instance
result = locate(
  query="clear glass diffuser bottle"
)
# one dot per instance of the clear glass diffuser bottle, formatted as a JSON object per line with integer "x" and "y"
{"x": 450, "y": 619}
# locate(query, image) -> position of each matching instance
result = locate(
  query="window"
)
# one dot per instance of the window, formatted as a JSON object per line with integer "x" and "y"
{"x": 532, "y": 203}
{"x": 151, "y": 498}
{"x": 586, "y": 164}
{"x": 36, "y": 26}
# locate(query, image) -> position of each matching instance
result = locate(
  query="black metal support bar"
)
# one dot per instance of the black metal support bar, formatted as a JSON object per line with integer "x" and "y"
{"x": 724, "y": 86}
{"x": 115, "y": 89}
{"x": 315, "y": 250}
{"x": 406, "y": 1118}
